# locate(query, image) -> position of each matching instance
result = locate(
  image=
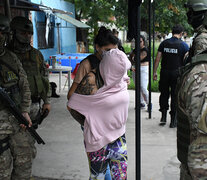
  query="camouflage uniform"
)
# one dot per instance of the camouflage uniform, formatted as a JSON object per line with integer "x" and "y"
{"x": 33, "y": 63}
{"x": 200, "y": 40}
{"x": 35, "y": 67}
{"x": 192, "y": 103}
{"x": 21, "y": 145}
{"x": 192, "y": 99}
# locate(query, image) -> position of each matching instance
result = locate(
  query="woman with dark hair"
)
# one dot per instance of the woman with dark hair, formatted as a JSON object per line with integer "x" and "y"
{"x": 104, "y": 41}
{"x": 145, "y": 59}
{"x": 105, "y": 110}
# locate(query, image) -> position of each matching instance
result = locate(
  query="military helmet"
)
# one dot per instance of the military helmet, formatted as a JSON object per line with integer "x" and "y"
{"x": 197, "y": 5}
{"x": 4, "y": 23}
{"x": 21, "y": 23}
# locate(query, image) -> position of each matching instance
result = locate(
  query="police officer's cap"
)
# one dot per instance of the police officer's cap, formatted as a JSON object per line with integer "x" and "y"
{"x": 4, "y": 24}
{"x": 197, "y": 5}
{"x": 21, "y": 23}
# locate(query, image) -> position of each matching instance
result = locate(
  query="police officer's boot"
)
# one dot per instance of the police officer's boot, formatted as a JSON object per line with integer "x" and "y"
{"x": 163, "y": 118}
{"x": 173, "y": 122}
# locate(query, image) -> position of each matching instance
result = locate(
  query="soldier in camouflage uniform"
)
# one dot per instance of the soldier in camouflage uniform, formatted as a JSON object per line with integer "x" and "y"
{"x": 192, "y": 100}
{"x": 16, "y": 144}
{"x": 33, "y": 63}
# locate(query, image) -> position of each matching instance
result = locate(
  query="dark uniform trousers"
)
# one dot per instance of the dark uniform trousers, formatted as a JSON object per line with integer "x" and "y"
{"x": 167, "y": 86}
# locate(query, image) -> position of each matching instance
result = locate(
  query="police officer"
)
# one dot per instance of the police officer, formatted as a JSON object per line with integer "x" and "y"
{"x": 172, "y": 52}
{"x": 33, "y": 63}
{"x": 192, "y": 100}
{"x": 16, "y": 144}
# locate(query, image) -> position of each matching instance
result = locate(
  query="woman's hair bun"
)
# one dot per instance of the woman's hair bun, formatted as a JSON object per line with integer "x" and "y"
{"x": 105, "y": 37}
{"x": 102, "y": 29}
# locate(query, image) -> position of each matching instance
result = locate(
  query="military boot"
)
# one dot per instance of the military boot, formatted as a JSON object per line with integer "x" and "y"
{"x": 163, "y": 118}
{"x": 173, "y": 122}
{"x": 54, "y": 94}
{"x": 54, "y": 87}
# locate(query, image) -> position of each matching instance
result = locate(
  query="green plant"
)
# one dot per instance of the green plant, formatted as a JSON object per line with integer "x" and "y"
{"x": 131, "y": 85}
{"x": 127, "y": 48}
{"x": 155, "y": 84}
{"x": 91, "y": 49}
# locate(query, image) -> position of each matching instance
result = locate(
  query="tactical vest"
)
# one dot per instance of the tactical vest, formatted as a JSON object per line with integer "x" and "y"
{"x": 183, "y": 124}
{"x": 172, "y": 58}
{"x": 39, "y": 86}
{"x": 9, "y": 78}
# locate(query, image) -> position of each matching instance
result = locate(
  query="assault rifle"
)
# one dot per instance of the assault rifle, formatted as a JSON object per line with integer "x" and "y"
{"x": 18, "y": 115}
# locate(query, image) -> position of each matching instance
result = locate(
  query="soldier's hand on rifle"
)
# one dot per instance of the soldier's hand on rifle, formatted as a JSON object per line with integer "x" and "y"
{"x": 46, "y": 106}
{"x": 26, "y": 115}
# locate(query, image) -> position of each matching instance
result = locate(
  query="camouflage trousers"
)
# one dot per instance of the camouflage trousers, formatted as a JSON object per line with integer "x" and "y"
{"x": 197, "y": 158}
{"x": 15, "y": 162}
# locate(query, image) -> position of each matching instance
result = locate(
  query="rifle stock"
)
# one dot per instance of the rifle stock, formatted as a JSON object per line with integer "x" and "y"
{"x": 18, "y": 115}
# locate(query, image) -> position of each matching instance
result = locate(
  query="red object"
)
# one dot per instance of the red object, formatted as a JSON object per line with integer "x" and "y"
{"x": 50, "y": 57}
{"x": 75, "y": 71}
{"x": 47, "y": 66}
{"x": 69, "y": 57}
{"x": 76, "y": 57}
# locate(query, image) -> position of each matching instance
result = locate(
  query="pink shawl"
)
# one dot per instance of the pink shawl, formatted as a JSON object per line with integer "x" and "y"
{"x": 106, "y": 111}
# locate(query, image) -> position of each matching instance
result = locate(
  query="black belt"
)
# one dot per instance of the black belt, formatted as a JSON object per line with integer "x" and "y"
{"x": 5, "y": 147}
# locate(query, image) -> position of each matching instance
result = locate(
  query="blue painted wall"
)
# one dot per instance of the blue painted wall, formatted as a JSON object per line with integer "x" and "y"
{"x": 67, "y": 32}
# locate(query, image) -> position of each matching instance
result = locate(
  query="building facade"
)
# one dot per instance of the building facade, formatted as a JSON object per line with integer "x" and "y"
{"x": 53, "y": 35}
